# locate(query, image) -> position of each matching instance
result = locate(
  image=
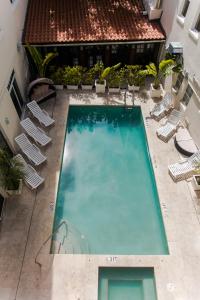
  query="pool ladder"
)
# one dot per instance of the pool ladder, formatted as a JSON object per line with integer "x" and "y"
{"x": 49, "y": 237}
{"x": 63, "y": 242}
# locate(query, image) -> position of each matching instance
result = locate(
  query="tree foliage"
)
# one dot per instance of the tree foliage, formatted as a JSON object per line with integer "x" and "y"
{"x": 40, "y": 62}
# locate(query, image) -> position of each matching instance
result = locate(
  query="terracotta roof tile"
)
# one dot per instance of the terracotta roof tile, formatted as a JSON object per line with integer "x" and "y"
{"x": 73, "y": 21}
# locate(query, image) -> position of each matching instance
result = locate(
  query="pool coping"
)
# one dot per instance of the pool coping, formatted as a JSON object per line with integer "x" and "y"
{"x": 76, "y": 276}
{"x": 119, "y": 257}
{"x": 137, "y": 260}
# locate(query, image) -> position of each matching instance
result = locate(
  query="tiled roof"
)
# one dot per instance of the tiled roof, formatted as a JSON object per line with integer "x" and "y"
{"x": 77, "y": 21}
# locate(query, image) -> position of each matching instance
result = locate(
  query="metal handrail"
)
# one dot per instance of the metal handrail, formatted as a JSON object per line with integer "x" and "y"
{"x": 50, "y": 236}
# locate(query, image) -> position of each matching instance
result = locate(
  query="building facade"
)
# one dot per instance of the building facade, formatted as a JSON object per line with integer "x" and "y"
{"x": 14, "y": 69}
{"x": 85, "y": 32}
{"x": 181, "y": 22}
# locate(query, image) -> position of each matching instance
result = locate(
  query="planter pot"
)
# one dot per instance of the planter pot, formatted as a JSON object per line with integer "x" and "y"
{"x": 72, "y": 87}
{"x": 100, "y": 88}
{"x": 196, "y": 182}
{"x": 130, "y": 88}
{"x": 114, "y": 90}
{"x": 156, "y": 93}
{"x": 136, "y": 88}
{"x": 58, "y": 86}
{"x": 87, "y": 87}
{"x": 133, "y": 87}
{"x": 15, "y": 192}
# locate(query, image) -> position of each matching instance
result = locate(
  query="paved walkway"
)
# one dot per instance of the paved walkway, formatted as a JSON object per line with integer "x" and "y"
{"x": 28, "y": 222}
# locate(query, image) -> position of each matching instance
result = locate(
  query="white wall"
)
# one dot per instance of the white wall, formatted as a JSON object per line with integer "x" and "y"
{"x": 192, "y": 115}
{"x": 11, "y": 25}
{"x": 170, "y": 8}
{"x": 179, "y": 30}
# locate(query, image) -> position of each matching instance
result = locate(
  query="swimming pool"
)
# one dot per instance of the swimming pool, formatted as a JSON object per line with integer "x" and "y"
{"x": 107, "y": 193}
{"x": 126, "y": 283}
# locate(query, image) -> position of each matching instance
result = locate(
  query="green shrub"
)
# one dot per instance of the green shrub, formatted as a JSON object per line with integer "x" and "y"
{"x": 11, "y": 171}
{"x": 58, "y": 76}
{"x": 72, "y": 75}
{"x": 88, "y": 76}
{"x": 114, "y": 79}
{"x": 134, "y": 76}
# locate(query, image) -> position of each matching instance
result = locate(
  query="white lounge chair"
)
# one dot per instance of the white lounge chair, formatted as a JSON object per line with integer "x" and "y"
{"x": 183, "y": 170}
{"x": 40, "y": 114}
{"x": 31, "y": 177}
{"x": 166, "y": 131}
{"x": 162, "y": 108}
{"x": 35, "y": 132}
{"x": 32, "y": 152}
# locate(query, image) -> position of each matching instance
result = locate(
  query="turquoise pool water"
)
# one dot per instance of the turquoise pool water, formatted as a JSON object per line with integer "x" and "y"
{"x": 107, "y": 192}
{"x": 126, "y": 284}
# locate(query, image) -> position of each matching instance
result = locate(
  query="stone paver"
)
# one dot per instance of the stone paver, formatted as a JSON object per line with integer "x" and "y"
{"x": 29, "y": 219}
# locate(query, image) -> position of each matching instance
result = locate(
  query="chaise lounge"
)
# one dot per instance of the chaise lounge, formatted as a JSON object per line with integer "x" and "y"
{"x": 31, "y": 177}
{"x": 40, "y": 114}
{"x": 35, "y": 132}
{"x": 162, "y": 108}
{"x": 185, "y": 169}
{"x": 166, "y": 131}
{"x": 32, "y": 152}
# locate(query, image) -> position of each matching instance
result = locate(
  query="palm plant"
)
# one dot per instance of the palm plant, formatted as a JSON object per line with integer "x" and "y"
{"x": 104, "y": 73}
{"x": 113, "y": 75}
{"x": 40, "y": 62}
{"x": 11, "y": 171}
{"x": 164, "y": 69}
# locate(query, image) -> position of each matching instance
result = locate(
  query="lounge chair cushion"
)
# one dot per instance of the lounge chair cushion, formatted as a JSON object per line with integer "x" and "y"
{"x": 184, "y": 142}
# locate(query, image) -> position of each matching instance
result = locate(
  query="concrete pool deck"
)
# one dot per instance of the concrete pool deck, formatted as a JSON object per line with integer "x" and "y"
{"x": 28, "y": 223}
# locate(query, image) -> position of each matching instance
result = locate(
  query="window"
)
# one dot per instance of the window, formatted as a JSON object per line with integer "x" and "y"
{"x": 187, "y": 95}
{"x": 114, "y": 49}
{"x": 185, "y": 8}
{"x": 99, "y": 58}
{"x": 150, "y": 47}
{"x": 197, "y": 25}
{"x": 178, "y": 82}
{"x": 140, "y": 48}
{"x": 15, "y": 94}
{"x": 75, "y": 61}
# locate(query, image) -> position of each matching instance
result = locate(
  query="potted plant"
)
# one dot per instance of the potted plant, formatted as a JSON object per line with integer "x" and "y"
{"x": 171, "y": 79}
{"x": 11, "y": 174}
{"x": 100, "y": 74}
{"x": 87, "y": 80}
{"x": 103, "y": 75}
{"x": 134, "y": 77}
{"x": 72, "y": 77}
{"x": 196, "y": 178}
{"x": 113, "y": 81}
{"x": 58, "y": 78}
{"x": 159, "y": 72}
